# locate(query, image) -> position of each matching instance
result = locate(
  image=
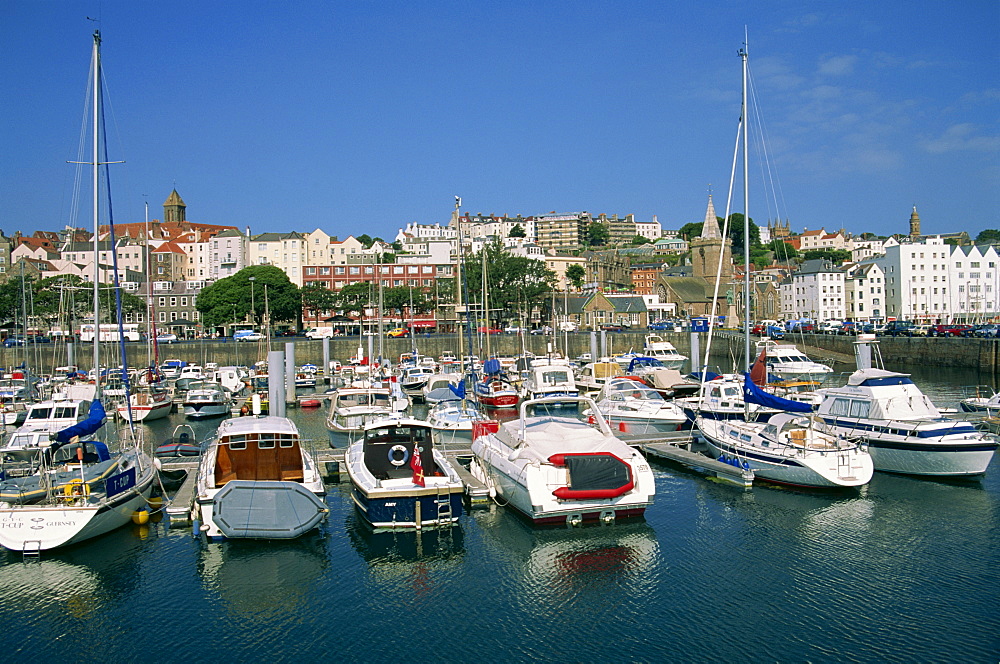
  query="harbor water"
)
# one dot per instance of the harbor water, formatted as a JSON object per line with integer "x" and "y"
{"x": 903, "y": 570}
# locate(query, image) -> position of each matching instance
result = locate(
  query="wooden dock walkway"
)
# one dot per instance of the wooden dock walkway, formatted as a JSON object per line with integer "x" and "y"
{"x": 679, "y": 447}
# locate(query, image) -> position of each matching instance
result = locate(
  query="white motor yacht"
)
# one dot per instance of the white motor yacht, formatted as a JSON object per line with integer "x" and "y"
{"x": 633, "y": 407}
{"x": 904, "y": 430}
{"x": 351, "y": 408}
{"x": 786, "y": 362}
{"x": 553, "y": 466}
{"x": 658, "y": 347}
{"x": 549, "y": 377}
{"x": 255, "y": 480}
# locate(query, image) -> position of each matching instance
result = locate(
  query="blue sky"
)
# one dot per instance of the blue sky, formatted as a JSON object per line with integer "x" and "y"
{"x": 361, "y": 117}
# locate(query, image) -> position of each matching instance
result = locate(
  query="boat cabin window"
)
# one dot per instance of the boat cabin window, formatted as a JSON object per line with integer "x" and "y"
{"x": 732, "y": 392}
{"x": 266, "y": 442}
{"x": 388, "y": 451}
{"x": 555, "y": 377}
{"x": 854, "y": 408}
{"x": 236, "y": 442}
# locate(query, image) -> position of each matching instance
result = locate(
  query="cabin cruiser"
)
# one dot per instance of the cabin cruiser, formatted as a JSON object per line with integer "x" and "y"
{"x": 790, "y": 448}
{"x": 44, "y": 419}
{"x": 412, "y": 379}
{"x": 207, "y": 399}
{"x": 981, "y": 399}
{"x": 786, "y": 362}
{"x": 255, "y": 480}
{"x": 658, "y": 347}
{"x": 721, "y": 398}
{"x": 904, "y": 430}
{"x": 351, "y": 408}
{"x": 549, "y": 377}
{"x": 630, "y": 406}
{"x": 400, "y": 479}
{"x": 592, "y": 376}
{"x": 452, "y": 421}
{"x": 553, "y": 466}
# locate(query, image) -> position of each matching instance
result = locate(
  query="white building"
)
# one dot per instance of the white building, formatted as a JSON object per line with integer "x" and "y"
{"x": 286, "y": 251}
{"x": 973, "y": 277}
{"x": 918, "y": 278}
{"x": 864, "y": 286}
{"x": 816, "y": 291}
{"x": 651, "y": 230}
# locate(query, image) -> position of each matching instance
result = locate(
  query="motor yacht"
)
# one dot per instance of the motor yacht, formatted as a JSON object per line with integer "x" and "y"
{"x": 560, "y": 462}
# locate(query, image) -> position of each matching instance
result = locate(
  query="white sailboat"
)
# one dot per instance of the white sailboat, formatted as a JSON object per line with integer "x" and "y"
{"x": 786, "y": 447}
{"x": 106, "y": 488}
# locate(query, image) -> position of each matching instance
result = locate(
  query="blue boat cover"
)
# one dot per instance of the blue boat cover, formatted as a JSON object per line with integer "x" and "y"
{"x": 458, "y": 390}
{"x": 753, "y": 394}
{"x": 492, "y": 366}
{"x": 95, "y": 419}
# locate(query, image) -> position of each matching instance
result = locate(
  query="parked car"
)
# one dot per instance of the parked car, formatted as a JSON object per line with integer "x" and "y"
{"x": 545, "y": 329}
{"x": 13, "y": 340}
{"x": 612, "y": 327}
{"x": 848, "y": 327}
{"x": 37, "y": 339}
{"x": 921, "y": 331}
{"x": 987, "y": 331}
{"x": 166, "y": 338}
{"x": 398, "y": 332}
{"x": 830, "y": 327}
{"x": 489, "y": 330}
{"x": 899, "y": 328}
{"x": 247, "y": 335}
{"x": 661, "y": 325}
{"x": 514, "y": 329}
{"x": 568, "y": 326}
{"x": 949, "y": 330}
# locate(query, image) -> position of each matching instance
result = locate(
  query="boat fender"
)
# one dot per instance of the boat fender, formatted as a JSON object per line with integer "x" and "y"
{"x": 76, "y": 488}
{"x": 746, "y": 466}
{"x": 723, "y": 459}
{"x": 398, "y": 461}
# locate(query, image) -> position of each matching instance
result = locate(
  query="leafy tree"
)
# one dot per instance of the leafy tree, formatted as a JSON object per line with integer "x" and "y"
{"x": 317, "y": 297}
{"x": 691, "y": 230}
{"x": 517, "y": 231}
{"x": 269, "y": 289}
{"x": 575, "y": 274}
{"x": 736, "y": 232}
{"x": 365, "y": 240}
{"x": 781, "y": 249}
{"x": 639, "y": 240}
{"x": 399, "y": 299}
{"x": 835, "y": 256}
{"x": 353, "y": 298}
{"x": 598, "y": 234}
{"x": 988, "y": 236}
{"x": 68, "y": 296}
{"x": 514, "y": 282}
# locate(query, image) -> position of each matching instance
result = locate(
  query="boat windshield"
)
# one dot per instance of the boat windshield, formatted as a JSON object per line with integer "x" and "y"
{"x": 364, "y": 399}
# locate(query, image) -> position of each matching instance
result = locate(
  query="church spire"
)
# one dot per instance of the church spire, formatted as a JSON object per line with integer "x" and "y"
{"x": 710, "y": 229}
{"x": 174, "y": 208}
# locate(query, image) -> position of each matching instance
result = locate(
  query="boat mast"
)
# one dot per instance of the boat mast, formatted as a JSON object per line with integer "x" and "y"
{"x": 746, "y": 220}
{"x": 96, "y": 174}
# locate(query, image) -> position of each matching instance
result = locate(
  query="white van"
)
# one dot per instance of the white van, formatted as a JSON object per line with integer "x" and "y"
{"x": 568, "y": 326}
{"x": 319, "y": 333}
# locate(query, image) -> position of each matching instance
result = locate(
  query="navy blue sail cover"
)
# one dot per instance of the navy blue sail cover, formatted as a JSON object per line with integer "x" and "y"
{"x": 753, "y": 394}
{"x": 95, "y": 418}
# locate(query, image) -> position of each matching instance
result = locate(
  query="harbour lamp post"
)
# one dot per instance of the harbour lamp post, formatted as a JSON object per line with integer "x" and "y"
{"x": 253, "y": 312}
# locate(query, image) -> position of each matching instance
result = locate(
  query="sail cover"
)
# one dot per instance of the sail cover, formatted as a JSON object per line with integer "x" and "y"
{"x": 95, "y": 418}
{"x": 753, "y": 394}
{"x": 492, "y": 366}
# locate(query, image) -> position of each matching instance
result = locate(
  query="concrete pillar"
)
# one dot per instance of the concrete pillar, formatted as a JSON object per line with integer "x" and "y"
{"x": 275, "y": 383}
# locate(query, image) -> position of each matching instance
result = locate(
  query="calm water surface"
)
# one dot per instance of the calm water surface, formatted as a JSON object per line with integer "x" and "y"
{"x": 904, "y": 570}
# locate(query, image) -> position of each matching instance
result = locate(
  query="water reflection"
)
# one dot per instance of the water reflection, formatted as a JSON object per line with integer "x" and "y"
{"x": 401, "y": 554}
{"x": 574, "y": 565}
{"x": 264, "y": 580}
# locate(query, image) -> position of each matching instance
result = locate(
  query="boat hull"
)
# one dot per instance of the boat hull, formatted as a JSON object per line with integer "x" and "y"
{"x": 40, "y": 528}
{"x": 399, "y": 510}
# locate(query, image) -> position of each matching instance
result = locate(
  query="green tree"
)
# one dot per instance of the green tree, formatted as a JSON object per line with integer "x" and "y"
{"x": 517, "y": 231}
{"x": 317, "y": 298}
{"x": 598, "y": 234}
{"x": 736, "y": 232}
{"x": 835, "y": 256}
{"x": 515, "y": 283}
{"x": 365, "y": 240}
{"x": 988, "y": 236}
{"x": 353, "y": 298}
{"x": 241, "y": 298}
{"x": 638, "y": 240}
{"x": 575, "y": 274}
{"x": 781, "y": 249}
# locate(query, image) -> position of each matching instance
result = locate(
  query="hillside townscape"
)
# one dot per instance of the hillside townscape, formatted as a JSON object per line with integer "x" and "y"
{"x": 579, "y": 269}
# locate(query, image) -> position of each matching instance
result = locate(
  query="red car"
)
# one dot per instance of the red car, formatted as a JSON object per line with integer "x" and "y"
{"x": 949, "y": 330}
{"x": 490, "y": 330}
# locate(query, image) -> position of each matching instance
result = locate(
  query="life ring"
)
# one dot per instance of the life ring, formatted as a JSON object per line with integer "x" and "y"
{"x": 76, "y": 488}
{"x": 398, "y": 448}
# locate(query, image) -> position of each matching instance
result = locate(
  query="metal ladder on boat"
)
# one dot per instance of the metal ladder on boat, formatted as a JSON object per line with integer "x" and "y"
{"x": 443, "y": 502}
{"x": 32, "y": 550}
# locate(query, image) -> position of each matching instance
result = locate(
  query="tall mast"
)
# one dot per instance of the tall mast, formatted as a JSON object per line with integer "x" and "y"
{"x": 96, "y": 169}
{"x": 746, "y": 220}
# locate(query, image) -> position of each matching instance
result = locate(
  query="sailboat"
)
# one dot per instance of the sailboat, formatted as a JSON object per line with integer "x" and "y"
{"x": 80, "y": 489}
{"x": 791, "y": 446}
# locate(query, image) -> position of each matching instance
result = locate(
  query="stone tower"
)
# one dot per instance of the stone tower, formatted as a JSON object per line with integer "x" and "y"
{"x": 914, "y": 224}
{"x": 174, "y": 208}
{"x": 709, "y": 248}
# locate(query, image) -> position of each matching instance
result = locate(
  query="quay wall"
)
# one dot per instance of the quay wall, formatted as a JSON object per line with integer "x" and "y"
{"x": 980, "y": 354}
